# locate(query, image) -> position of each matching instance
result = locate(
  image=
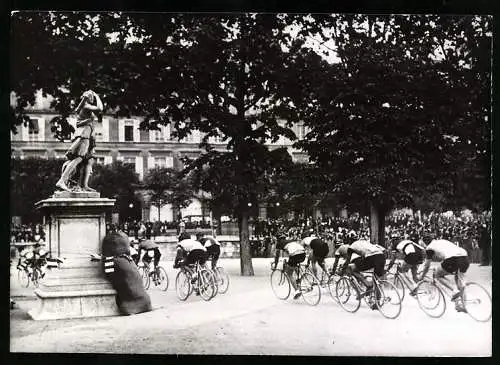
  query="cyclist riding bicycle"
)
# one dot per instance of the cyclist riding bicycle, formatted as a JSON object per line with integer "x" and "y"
{"x": 212, "y": 246}
{"x": 318, "y": 250}
{"x": 342, "y": 252}
{"x": 189, "y": 252}
{"x": 412, "y": 255}
{"x": 371, "y": 257}
{"x": 296, "y": 255}
{"x": 134, "y": 251}
{"x": 149, "y": 252}
{"x": 453, "y": 260}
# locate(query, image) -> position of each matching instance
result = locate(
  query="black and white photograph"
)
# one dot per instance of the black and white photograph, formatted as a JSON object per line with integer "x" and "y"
{"x": 247, "y": 183}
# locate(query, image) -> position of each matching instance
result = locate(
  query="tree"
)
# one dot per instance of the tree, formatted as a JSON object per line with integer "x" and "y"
{"x": 167, "y": 186}
{"x": 117, "y": 181}
{"x": 225, "y": 82}
{"x": 385, "y": 117}
{"x": 31, "y": 180}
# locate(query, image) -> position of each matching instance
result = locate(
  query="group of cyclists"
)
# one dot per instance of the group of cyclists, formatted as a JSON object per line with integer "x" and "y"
{"x": 360, "y": 255}
{"x": 189, "y": 251}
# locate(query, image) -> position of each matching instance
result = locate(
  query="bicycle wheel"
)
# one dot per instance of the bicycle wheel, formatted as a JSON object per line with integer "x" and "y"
{"x": 430, "y": 299}
{"x": 222, "y": 279}
{"x": 206, "y": 285}
{"x": 310, "y": 288}
{"x": 182, "y": 285}
{"x": 398, "y": 283}
{"x": 347, "y": 295}
{"x": 23, "y": 277}
{"x": 162, "y": 278}
{"x": 477, "y": 301}
{"x": 388, "y": 300}
{"x": 280, "y": 283}
{"x": 146, "y": 280}
{"x": 332, "y": 283}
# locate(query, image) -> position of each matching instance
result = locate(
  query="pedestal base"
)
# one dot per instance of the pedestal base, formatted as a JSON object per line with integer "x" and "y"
{"x": 74, "y": 304}
{"x": 75, "y": 290}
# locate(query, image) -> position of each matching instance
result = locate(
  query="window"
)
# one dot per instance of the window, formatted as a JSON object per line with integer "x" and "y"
{"x": 160, "y": 162}
{"x": 158, "y": 136}
{"x": 300, "y": 131}
{"x": 129, "y": 133}
{"x": 128, "y": 130}
{"x": 99, "y": 160}
{"x": 33, "y": 130}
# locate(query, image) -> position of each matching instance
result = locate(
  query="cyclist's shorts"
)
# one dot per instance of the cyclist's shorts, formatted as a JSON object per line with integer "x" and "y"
{"x": 375, "y": 262}
{"x": 213, "y": 251}
{"x": 453, "y": 264}
{"x": 320, "y": 253}
{"x": 413, "y": 258}
{"x": 296, "y": 259}
{"x": 196, "y": 256}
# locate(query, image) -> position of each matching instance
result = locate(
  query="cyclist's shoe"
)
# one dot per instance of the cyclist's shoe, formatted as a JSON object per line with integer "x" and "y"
{"x": 413, "y": 292}
{"x": 42, "y": 275}
{"x": 455, "y": 296}
{"x": 373, "y": 306}
{"x": 197, "y": 292}
{"x": 460, "y": 308}
{"x": 193, "y": 280}
{"x": 297, "y": 294}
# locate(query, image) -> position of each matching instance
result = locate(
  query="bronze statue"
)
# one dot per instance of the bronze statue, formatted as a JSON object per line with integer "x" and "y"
{"x": 81, "y": 153}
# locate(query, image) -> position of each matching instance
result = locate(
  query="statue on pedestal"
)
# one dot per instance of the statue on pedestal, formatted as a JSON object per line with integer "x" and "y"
{"x": 81, "y": 153}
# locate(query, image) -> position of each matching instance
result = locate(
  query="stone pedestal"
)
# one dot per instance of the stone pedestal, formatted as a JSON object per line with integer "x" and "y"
{"x": 78, "y": 288}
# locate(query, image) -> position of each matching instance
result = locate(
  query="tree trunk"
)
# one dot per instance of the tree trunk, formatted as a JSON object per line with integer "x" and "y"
{"x": 245, "y": 254}
{"x": 159, "y": 220}
{"x": 377, "y": 223}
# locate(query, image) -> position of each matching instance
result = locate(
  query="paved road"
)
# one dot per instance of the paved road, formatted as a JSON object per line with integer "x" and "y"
{"x": 250, "y": 320}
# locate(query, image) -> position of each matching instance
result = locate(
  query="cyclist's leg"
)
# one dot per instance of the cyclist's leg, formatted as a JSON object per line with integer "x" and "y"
{"x": 313, "y": 260}
{"x": 357, "y": 266}
{"x": 215, "y": 256}
{"x": 462, "y": 267}
{"x": 321, "y": 263}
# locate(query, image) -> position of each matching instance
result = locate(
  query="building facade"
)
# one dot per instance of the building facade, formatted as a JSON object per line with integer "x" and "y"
{"x": 120, "y": 139}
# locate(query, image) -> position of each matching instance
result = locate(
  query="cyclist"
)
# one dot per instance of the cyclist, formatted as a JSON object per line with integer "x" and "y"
{"x": 134, "y": 251}
{"x": 411, "y": 253}
{"x": 453, "y": 260}
{"x": 296, "y": 255}
{"x": 318, "y": 250}
{"x": 149, "y": 251}
{"x": 212, "y": 246}
{"x": 189, "y": 251}
{"x": 342, "y": 252}
{"x": 371, "y": 257}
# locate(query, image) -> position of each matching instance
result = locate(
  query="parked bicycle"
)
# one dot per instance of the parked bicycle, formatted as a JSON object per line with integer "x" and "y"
{"x": 476, "y": 300}
{"x": 29, "y": 274}
{"x": 195, "y": 278}
{"x": 307, "y": 283}
{"x": 381, "y": 295}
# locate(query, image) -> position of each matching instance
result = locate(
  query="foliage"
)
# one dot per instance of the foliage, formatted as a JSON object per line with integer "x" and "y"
{"x": 167, "y": 186}
{"x": 116, "y": 181}
{"x": 385, "y": 118}
{"x": 31, "y": 180}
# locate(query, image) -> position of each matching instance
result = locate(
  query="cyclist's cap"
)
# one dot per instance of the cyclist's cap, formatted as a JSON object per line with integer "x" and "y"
{"x": 184, "y": 236}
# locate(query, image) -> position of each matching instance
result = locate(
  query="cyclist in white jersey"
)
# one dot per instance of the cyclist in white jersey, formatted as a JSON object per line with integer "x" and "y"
{"x": 372, "y": 257}
{"x": 189, "y": 251}
{"x": 212, "y": 246}
{"x": 453, "y": 260}
{"x": 342, "y": 252}
{"x": 296, "y": 255}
